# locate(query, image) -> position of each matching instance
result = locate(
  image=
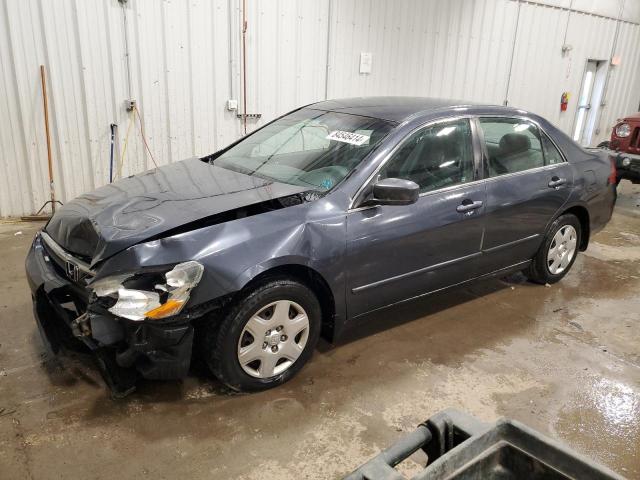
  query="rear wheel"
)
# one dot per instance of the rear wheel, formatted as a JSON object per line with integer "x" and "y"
{"x": 558, "y": 251}
{"x": 266, "y": 336}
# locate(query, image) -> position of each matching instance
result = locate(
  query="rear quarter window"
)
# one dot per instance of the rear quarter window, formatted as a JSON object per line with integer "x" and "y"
{"x": 551, "y": 154}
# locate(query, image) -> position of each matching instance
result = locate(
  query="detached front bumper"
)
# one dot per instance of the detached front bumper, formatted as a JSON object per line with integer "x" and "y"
{"x": 628, "y": 166}
{"x": 124, "y": 350}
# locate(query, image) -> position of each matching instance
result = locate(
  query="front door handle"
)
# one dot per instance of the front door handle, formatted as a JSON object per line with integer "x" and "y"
{"x": 468, "y": 205}
{"x": 556, "y": 182}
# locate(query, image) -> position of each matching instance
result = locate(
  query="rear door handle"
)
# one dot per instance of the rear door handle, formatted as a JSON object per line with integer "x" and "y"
{"x": 468, "y": 205}
{"x": 556, "y": 182}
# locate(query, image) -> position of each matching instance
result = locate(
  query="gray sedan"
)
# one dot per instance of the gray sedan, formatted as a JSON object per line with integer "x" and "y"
{"x": 305, "y": 227}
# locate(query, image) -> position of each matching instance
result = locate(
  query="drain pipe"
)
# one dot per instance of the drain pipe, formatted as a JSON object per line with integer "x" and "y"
{"x": 244, "y": 65}
{"x": 603, "y": 101}
{"x": 513, "y": 53}
{"x": 329, "y": 52}
{"x": 566, "y": 49}
{"x": 231, "y": 19}
{"x": 126, "y": 52}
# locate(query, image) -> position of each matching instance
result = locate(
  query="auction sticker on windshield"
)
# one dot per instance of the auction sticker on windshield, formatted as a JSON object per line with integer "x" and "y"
{"x": 347, "y": 137}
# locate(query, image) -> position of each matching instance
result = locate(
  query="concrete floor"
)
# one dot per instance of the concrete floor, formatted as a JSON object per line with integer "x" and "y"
{"x": 564, "y": 359}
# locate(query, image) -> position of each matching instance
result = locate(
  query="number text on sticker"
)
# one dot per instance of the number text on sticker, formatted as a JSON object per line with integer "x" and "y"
{"x": 347, "y": 137}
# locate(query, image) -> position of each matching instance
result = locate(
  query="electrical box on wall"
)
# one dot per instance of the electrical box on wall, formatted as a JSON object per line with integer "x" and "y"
{"x": 365, "y": 62}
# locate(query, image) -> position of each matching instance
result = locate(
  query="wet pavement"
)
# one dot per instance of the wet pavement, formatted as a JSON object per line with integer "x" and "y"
{"x": 564, "y": 360}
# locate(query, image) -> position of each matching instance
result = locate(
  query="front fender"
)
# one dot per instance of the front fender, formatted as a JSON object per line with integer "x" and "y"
{"x": 234, "y": 253}
{"x": 252, "y": 272}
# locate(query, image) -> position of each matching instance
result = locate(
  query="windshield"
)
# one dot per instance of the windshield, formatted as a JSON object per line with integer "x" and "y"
{"x": 308, "y": 147}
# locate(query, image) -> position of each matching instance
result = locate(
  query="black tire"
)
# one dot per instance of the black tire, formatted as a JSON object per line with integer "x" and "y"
{"x": 219, "y": 344}
{"x": 538, "y": 271}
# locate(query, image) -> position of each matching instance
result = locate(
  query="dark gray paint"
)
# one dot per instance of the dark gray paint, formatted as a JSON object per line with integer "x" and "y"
{"x": 395, "y": 253}
{"x": 427, "y": 245}
{"x": 136, "y": 208}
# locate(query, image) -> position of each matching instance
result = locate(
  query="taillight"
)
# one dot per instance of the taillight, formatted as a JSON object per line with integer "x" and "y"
{"x": 613, "y": 176}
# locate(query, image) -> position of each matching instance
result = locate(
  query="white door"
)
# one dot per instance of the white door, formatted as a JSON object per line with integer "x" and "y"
{"x": 589, "y": 101}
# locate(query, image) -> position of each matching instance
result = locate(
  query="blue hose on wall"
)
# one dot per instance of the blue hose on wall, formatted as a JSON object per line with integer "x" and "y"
{"x": 113, "y": 140}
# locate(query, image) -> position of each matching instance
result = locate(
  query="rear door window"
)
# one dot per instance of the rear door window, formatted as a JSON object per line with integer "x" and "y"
{"x": 512, "y": 145}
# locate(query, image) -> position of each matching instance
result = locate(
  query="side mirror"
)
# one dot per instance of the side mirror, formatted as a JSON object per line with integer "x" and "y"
{"x": 395, "y": 191}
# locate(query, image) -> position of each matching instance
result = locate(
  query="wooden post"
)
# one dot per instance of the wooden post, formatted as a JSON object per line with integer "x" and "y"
{"x": 46, "y": 126}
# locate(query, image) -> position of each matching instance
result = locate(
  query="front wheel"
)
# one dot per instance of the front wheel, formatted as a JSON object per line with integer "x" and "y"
{"x": 266, "y": 336}
{"x": 558, "y": 251}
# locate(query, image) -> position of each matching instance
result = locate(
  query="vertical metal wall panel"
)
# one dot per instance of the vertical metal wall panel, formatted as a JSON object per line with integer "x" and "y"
{"x": 69, "y": 95}
{"x": 489, "y": 50}
{"x": 623, "y": 95}
{"x": 286, "y": 56}
{"x": 93, "y": 34}
{"x": 16, "y": 190}
{"x": 456, "y": 49}
{"x": 463, "y": 50}
{"x": 209, "y": 32}
{"x": 24, "y": 52}
{"x": 591, "y": 38}
{"x": 179, "y": 76}
{"x": 538, "y": 43}
{"x": 150, "y": 79}
{"x": 186, "y": 63}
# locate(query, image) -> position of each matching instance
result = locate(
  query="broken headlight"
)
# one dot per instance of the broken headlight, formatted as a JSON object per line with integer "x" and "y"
{"x": 138, "y": 296}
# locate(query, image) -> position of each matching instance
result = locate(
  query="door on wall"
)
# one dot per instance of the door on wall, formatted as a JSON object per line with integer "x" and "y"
{"x": 589, "y": 101}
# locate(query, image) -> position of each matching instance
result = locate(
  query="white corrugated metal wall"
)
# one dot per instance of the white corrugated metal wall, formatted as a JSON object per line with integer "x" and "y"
{"x": 185, "y": 63}
{"x": 461, "y": 49}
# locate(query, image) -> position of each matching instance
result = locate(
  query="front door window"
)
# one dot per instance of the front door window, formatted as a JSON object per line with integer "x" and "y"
{"x": 435, "y": 157}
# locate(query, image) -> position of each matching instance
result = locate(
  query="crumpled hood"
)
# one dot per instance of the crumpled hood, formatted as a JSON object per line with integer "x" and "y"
{"x": 99, "y": 224}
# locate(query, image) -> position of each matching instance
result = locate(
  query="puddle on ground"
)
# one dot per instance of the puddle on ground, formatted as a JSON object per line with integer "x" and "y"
{"x": 604, "y": 423}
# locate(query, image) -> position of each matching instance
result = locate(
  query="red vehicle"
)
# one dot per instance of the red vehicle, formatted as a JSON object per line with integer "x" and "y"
{"x": 625, "y": 143}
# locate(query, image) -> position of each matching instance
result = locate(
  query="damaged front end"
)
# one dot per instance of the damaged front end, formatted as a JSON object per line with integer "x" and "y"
{"x": 135, "y": 324}
{"x": 116, "y": 270}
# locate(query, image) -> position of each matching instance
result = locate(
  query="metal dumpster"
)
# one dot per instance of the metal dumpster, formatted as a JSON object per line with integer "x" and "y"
{"x": 458, "y": 446}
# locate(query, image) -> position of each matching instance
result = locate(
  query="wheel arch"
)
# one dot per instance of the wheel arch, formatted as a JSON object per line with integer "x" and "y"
{"x": 309, "y": 277}
{"x": 582, "y": 213}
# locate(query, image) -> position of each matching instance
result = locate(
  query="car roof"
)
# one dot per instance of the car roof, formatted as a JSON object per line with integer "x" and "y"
{"x": 401, "y": 109}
